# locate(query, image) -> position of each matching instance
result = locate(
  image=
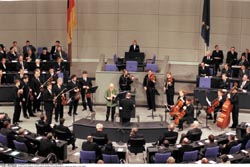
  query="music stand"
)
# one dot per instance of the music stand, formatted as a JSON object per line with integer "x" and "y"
{"x": 91, "y": 90}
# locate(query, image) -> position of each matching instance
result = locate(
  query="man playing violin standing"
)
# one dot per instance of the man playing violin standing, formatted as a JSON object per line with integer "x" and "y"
{"x": 110, "y": 96}
{"x": 85, "y": 84}
{"x": 36, "y": 86}
{"x": 169, "y": 89}
{"x": 125, "y": 81}
{"x": 48, "y": 98}
{"x": 189, "y": 114}
{"x": 74, "y": 95}
{"x": 59, "y": 94}
{"x": 149, "y": 86}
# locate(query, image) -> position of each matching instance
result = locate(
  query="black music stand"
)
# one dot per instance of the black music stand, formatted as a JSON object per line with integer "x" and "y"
{"x": 207, "y": 127}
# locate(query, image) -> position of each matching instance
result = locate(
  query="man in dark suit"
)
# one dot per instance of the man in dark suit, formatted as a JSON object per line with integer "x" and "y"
{"x": 224, "y": 83}
{"x": 149, "y": 86}
{"x": 17, "y": 102}
{"x": 192, "y": 132}
{"x": 208, "y": 59}
{"x": 90, "y": 146}
{"x": 52, "y": 76}
{"x": 211, "y": 142}
{"x": 170, "y": 133}
{"x": 21, "y": 64}
{"x": 60, "y": 53}
{"x": 69, "y": 134}
{"x": 45, "y": 55}
{"x": 125, "y": 81}
{"x": 85, "y": 84}
{"x": 134, "y": 47}
{"x": 27, "y": 47}
{"x": 243, "y": 61}
{"x": 36, "y": 85}
{"x": 243, "y": 71}
{"x": 244, "y": 84}
{"x": 247, "y": 54}
{"x": 231, "y": 57}
{"x": 48, "y": 98}
{"x": 3, "y": 66}
{"x": 3, "y": 78}
{"x": 127, "y": 105}
{"x": 74, "y": 95}
{"x": 11, "y": 55}
{"x": 59, "y": 67}
{"x": 189, "y": 114}
{"x": 234, "y": 98}
{"x": 54, "y": 48}
{"x": 231, "y": 142}
{"x": 203, "y": 70}
{"x": 135, "y": 135}
{"x": 47, "y": 145}
{"x": 99, "y": 133}
{"x": 2, "y": 52}
{"x": 218, "y": 58}
{"x": 226, "y": 70}
{"x": 6, "y": 131}
{"x": 21, "y": 138}
{"x": 58, "y": 90}
{"x": 42, "y": 122}
{"x": 245, "y": 138}
{"x": 185, "y": 146}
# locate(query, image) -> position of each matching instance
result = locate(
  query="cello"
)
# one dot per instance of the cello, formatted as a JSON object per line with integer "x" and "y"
{"x": 175, "y": 109}
{"x": 215, "y": 103}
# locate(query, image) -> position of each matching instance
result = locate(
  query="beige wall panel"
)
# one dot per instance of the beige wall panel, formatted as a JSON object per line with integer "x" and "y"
{"x": 51, "y": 21}
{"x": 97, "y": 38}
{"x": 245, "y": 27}
{"x": 97, "y": 21}
{"x": 14, "y": 7}
{"x": 139, "y": 6}
{"x": 222, "y": 25}
{"x": 222, "y": 8}
{"x": 245, "y": 42}
{"x": 245, "y": 10}
{"x": 178, "y": 40}
{"x": 138, "y": 22}
{"x": 179, "y": 7}
{"x": 179, "y": 23}
{"x": 18, "y": 22}
{"x": 97, "y": 6}
{"x": 95, "y": 52}
{"x": 144, "y": 39}
{"x": 52, "y": 6}
{"x": 179, "y": 54}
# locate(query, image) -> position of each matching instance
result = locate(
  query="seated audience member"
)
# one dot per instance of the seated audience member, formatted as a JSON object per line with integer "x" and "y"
{"x": 30, "y": 56}
{"x": 21, "y": 138}
{"x": 16, "y": 48}
{"x": 54, "y": 48}
{"x": 164, "y": 147}
{"x": 89, "y": 145}
{"x": 243, "y": 61}
{"x": 170, "y": 160}
{"x": 247, "y": 54}
{"x": 100, "y": 161}
{"x": 60, "y": 53}
{"x": 225, "y": 159}
{"x": 192, "y": 132}
{"x": 246, "y": 160}
{"x": 69, "y": 134}
{"x": 208, "y": 59}
{"x": 3, "y": 66}
{"x": 11, "y": 55}
{"x": 6, "y": 131}
{"x": 224, "y": 83}
{"x": 2, "y": 52}
{"x": 189, "y": 114}
{"x": 243, "y": 71}
{"x": 21, "y": 64}
{"x": 231, "y": 142}
{"x": 47, "y": 145}
{"x": 244, "y": 83}
{"x": 45, "y": 56}
{"x": 59, "y": 67}
{"x": 231, "y": 57}
{"x": 185, "y": 146}
{"x": 42, "y": 122}
{"x": 109, "y": 149}
{"x": 209, "y": 144}
{"x": 135, "y": 135}
{"x": 218, "y": 58}
{"x": 3, "y": 79}
{"x": 3, "y": 117}
{"x": 204, "y": 161}
{"x": 226, "y": 70}
{"x": 134, "y": 47}
{"x": 203, "y": 70}
{"x": 27, "y": 47}
{"x": 169, "y": 133}
{"x": 99, "y": 133}
{"x": 245, "y": 138}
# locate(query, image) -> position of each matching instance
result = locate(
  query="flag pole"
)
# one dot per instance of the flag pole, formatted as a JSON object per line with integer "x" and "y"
{"x": 70, "y": 52}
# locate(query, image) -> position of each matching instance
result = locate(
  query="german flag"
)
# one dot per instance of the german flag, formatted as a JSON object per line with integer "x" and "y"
{"x": 71, "y": 19}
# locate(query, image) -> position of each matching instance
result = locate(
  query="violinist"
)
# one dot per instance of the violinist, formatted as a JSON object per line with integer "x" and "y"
{"x": 58, "y": 92}
{"x": 189, "y": 114}
{"x": 52, "y": 76}
{"x": 125, "y": 81}
{"x": 110, "y": 96}
{"x": 17, "y": 102}
{"x": 48, "y": 98}
{"x": 233, "y": 97}
{"x": 36, "y": 85}
{"x": 169, "y": 89}
{"x": 149, "y": 86}
{"x": 27, "y": 98}
{"x": 73, "y": 95}
{"x": 85, "y": 84}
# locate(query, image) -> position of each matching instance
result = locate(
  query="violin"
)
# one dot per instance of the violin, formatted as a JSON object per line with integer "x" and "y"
{"x": 152, "y": 78}
{"x": 31, "y": 95}
{"x": 64, "y": 100}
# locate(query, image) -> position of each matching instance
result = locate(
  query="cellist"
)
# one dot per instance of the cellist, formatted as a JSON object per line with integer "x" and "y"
{"x": 233, "y": 97}
{"x": 189, "y": 114}
{"x": 180, "y": 103}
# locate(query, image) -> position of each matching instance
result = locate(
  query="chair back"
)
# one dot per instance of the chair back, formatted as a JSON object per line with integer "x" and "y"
{"x": 153, "y": 67}
{"x": 60, "y": 135}
{"x": 190, "y": 156}
{"x": 101, "y": 141}
{"x": 3, "y": 140}
{"x": 162, "y": 157}
{"x": 195, "y": 136}
{"x": 136, "y": 145}
{"x": 235, "y": 149}
{"x": 115, "y": 59}
{"x": 19, "y": 161}
{"x": 110, "y": 159}
{"x": 153, "y": 59}
{"x": 131, "y": 66}
{"x": 247, "y": 145}
{"x": 87, "y": 156}
{"x": 171, "y": 139}
{"x": 40, "y": 129}
{"x": 20, "y": 146}
{"x": 212, "y": 152}
{"x": 110, "y": 67}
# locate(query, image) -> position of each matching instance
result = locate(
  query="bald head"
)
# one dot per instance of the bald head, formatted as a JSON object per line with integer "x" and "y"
{"x": 171, "y": 127}
{"x": 89, "y": 138}
{"x": 195, "y": 124}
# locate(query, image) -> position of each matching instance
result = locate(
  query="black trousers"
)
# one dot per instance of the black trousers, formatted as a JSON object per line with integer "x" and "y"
{"x": 151, "y": 98}
{"x": 73, "y": 105}
{"x": 27, "y": 106}
{"x": 17, "y": 113}
{"x": 36, "y": 104}
{"x": 170, "y": 99}
{"x": 112, "y": 109}
{"x": 181, "y": 121}
{"x": 216, "y": 113}
{"x": 59, "y": 111}
{"x": 216, "y": 67}
{"x": 49, "y": 114}
{"x": 125, "y": 121}
{"x": 89, "y": 102}
{"x": 235, "y": 117}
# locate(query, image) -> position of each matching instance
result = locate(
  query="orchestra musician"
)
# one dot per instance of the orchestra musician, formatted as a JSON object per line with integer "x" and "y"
{"x": 149, "y": 86}
{"x": 233, "y": 97}
{"x": 110, "y": 96}
{"x": 189, "y": 114}
{"x": 85, "y": 84}
{"x": 17, "y": 102}
{"x": 36, "y": 86}
{"x": 169, "y": 89}
{"x": 74, "y": 95}
{"x": 48, "y": 98}
{"x": 52, "y": 76}
{"x": 58, "y": 92}
{"x": 125, "y": 81}
{"x": 181, "y": 102}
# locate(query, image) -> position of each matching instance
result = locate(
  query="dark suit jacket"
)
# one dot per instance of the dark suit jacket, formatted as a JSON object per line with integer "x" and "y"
{"x": 209, "y": 61}
{"x": 245, "y": 160}
{"x": 203, "y": 71}
{"x": 63, "y": 129}
{"x": 47, "y": 127}
{"x": 3, "y": 79}
{"x": 246, "y": 86}
{"x": 56, "y": 91}
{"x": 224, "y": 84}
{"x": 82, "y": 83}
{"x": 193, "y": 132}
{"x": 245, "y": 63}
{"x": 170, "y": 88}
{"x": 125, "y": 83}
{"x": 168, "y": 134}
{"x": 10, "y": 136}
{"x": 2, "y": 55}
{"x": 244, "y": 140}
{"x": 218, "y": 54}
{"x": 227, "y": 72}
{"x": 90, "y": 146}
{"x": 45, "y": 57}
{"x": 53, "y": 50}
{"x": 228, "y": 146}
{"x": 59, "y": 67}
{"x": 127, "y": 107}
{"x": 19, "y": 66}
{"x": 100, "y": 134}
{"x": 132, "y": 49}
{"x": 48, "y": 100}
{"x": 46, "y": 146}
{"x": 241, "y": 73}
{"x": 63, "y": 54}
{"x": 231, "y": 58}
{"x": 35, "y": 86}
{"x": 189, "y": 116}
{"x": 4, "y": 69}
{"x": 11, "y": 56}
{"x": 25, "y": 49}
{"x": 209, "y": 145}
{"x": 72, "y": 93}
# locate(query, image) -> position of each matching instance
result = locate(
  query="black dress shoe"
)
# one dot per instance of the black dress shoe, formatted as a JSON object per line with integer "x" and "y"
{"x": 19, "y": 121}
{"x": 69, "y": 114}
{"x": 75, "y": 147}
{"x": 27, "y": 117}
{"x": 149, "y": 108}
{"x": 32, "y": 115}
{"x": 75, "y": 114}
{"x": 84, "y": 109}
{"x": 56, "y": 120}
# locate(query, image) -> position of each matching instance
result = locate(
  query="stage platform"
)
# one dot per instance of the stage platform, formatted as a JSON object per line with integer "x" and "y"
{"x": 116, "y": 132}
